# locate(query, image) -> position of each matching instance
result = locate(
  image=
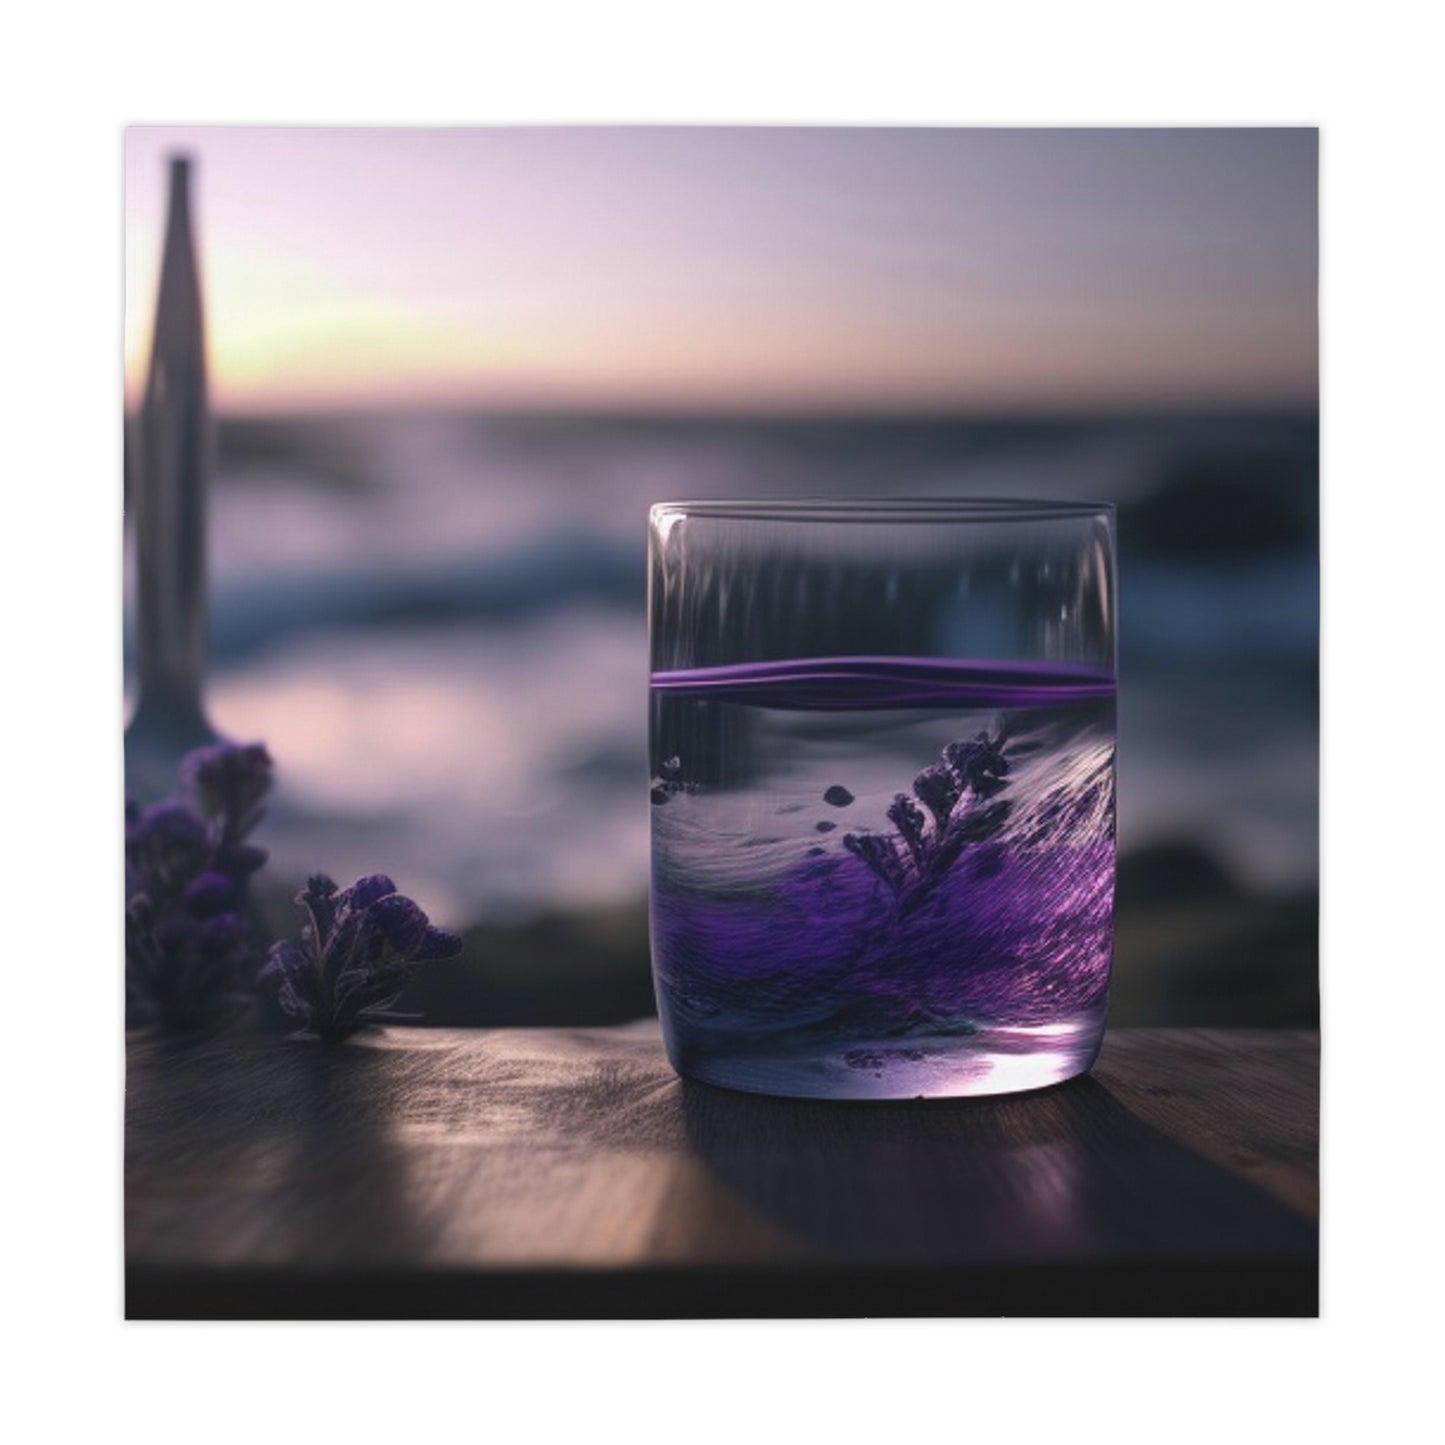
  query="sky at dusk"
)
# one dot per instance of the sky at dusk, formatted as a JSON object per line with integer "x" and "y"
{"x": 741, "y": 269}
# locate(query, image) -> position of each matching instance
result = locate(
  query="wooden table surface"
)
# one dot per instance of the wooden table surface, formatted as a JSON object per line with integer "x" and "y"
{"x": 568, "y": 1173}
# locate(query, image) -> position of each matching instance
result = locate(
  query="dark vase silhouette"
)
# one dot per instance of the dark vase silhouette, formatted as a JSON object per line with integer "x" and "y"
{"x": 171, "y": 480}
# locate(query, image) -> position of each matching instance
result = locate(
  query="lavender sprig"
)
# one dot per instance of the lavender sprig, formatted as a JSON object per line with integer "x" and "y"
{"x": 980, "y": 765}
{"x": 229, "y": 783}
{"x": 878, "y": 851}
{"x": 957, "y": 794}
{"x": 938, "y": 788}
{"x": 187, "y": 865}
{"x": 360, "y": 947}
{"x": 907, "y": 817}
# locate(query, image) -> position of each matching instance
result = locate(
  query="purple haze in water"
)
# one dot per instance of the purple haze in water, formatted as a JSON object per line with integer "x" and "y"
{"x": 881, "y": 876}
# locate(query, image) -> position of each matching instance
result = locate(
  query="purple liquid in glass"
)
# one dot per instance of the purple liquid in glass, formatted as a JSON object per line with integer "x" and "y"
{"x": 883, "y": 877}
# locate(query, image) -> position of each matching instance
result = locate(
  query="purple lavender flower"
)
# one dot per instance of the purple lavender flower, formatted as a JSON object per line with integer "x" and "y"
{"x": 166, "y": 846}
{"x": 980, "y": 765}
{"x": 878, "y": 852}
{"x": 957, "y": 793}
{"x": 907, "y": 817}
{"x": 974, "y": 826}
{"x": 186, "y": 870}
{"x": 360, "y": 947}
{"x": 238, "y": 861}
{"x": 228, "y": 783}
{"x": 181, "y": 965}
{"x": 938, "y": 789}
{"x": 228, "y": 777}
{"x": 212, "y": 894}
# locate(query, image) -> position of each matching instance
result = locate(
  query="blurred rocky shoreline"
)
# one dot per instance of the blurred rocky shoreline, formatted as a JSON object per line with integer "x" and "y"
{"x": 436, "y": 621}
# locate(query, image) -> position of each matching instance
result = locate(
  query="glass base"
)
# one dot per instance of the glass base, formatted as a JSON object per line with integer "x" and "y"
{"x": 991, "y": 1060}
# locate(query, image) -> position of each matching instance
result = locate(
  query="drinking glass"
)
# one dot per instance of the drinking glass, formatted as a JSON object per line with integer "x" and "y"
{"x": 882, "y": 750}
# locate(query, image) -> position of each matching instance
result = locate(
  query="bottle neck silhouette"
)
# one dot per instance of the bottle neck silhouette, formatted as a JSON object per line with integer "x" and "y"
{"x": 172, "y": 482}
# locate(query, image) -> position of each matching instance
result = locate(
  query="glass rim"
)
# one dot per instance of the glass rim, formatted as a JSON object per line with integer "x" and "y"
{"x": 884, "y": 509}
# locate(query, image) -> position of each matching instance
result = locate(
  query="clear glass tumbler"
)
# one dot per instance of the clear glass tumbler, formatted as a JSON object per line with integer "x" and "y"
{"x": 882, "y": 742}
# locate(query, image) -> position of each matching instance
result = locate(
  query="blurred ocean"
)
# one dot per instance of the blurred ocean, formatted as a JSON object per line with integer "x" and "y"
{"x": 437, "y": 623}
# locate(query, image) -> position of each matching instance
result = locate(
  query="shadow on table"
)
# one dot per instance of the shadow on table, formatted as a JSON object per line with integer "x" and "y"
{"x": 1063, "y": 1177}
{"x": 348, "y": 1175}
{"x": 302, "y": 1159}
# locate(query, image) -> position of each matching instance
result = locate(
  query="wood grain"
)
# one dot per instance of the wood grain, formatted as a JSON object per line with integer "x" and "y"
{"x": 526, "y": 1172}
